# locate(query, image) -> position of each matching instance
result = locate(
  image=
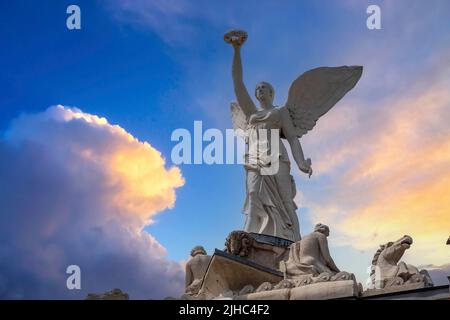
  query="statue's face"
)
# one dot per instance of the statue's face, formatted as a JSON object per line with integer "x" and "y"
{"x": 264, "y": 92}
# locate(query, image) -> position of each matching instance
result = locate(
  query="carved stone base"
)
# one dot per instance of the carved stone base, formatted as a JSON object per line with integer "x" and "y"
{"x": 227, "y": 275}
{"x": 316, "y": 291}
{"x": 391, "y": 289}
{"x": 249, "y": 269}
{"x": 263, "y": 249}
{"x": 326, "y": 290}
{"x": 236, "y": 278}
{"x": 307, "y": 288}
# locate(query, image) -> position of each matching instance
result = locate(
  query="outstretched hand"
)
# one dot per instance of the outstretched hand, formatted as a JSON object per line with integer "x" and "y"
{"x": 306, "y": 167}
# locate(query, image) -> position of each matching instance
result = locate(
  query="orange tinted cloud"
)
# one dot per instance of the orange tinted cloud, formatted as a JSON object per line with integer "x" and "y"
{"x": 78, "y": 190}
{"x": 134, "y": 169}
{"x": 146, "y": 186}
{"x": 396, "y": 178}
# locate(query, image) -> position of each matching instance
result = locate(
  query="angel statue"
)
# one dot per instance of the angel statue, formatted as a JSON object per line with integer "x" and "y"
{"x": 269, "y": 204}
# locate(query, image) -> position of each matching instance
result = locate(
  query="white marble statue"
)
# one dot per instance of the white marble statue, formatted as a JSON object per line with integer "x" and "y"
{"x": 269, "y": 204}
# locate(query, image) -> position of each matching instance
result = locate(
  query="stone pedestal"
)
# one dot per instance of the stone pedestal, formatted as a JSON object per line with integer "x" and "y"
{"x": 326, "y": 290}
{"x": 227, "y": 275}
{"x": 248, "y": 269}
{"x": 393, "y": 289}
{"x": 263, "y": 249}
{"x": 315, "y": 291}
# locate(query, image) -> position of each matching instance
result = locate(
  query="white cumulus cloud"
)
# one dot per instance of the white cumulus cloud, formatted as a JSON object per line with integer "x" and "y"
{"x": 75, "y": 189}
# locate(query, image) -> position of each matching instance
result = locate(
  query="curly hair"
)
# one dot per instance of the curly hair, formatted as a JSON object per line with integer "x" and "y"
{"x": 197, "y": 250}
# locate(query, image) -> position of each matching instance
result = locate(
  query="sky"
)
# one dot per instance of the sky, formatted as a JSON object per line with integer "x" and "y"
{"x": 87, "y": 115}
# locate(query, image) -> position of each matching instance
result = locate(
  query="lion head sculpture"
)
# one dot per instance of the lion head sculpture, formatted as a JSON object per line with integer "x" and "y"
{"x": 238, "y": 243}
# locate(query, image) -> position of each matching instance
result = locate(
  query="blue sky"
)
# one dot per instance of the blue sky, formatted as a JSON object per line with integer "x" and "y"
{"x": 154, "y": 66}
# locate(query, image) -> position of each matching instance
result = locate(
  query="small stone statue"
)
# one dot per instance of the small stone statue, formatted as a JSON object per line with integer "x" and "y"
{"x": 311, "y": 255}
{"x": 195, "y": 270}
{"x": 387, "y": 271}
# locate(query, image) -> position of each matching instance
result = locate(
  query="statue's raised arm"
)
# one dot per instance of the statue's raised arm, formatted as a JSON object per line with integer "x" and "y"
{"x": 237, "y": 38}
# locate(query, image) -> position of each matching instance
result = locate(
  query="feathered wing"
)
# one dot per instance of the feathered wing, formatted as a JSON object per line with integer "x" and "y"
{"x": 238, "y": 118}
{"x": 316, "y": 91}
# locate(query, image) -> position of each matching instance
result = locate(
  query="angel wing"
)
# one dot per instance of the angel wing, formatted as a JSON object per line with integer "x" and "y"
{"x": 316, "y": 91}
{"x": 239, "y": 119}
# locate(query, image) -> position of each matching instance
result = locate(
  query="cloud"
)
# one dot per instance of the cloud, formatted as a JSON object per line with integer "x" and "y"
{"x": 396, "y": 175}
{"x": 405, "y": 172}
{"x": 166, "y": 18}
{"x": 439, "y": 274}
{"x": 75, "y": 189}
{"x": 176, "y": 22}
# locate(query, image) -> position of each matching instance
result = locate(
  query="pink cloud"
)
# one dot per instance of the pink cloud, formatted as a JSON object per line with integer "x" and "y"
{"x": 395, "y": 177}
